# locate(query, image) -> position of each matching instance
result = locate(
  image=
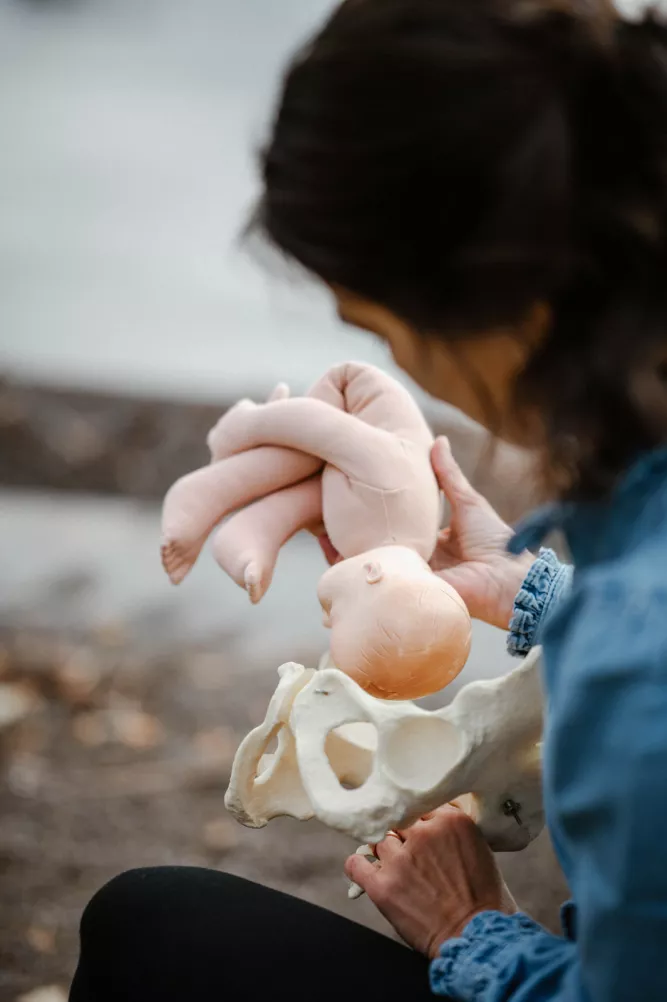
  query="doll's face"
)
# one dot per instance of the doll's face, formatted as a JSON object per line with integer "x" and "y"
{"x": 475, "y": 374}
{"x": 348, "y": 584}
{"x": 357, "y": 585}
{"x": 396, "y": 628}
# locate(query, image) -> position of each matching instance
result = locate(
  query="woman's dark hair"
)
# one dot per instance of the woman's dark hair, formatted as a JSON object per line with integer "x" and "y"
{"x": 459, "y": 161}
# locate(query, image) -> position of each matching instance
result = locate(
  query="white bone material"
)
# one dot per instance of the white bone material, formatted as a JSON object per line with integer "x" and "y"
{"x": 363, "y": 765}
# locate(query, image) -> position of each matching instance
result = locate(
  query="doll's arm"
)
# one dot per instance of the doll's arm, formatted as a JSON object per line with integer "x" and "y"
{"x": 375, "y": 412}
{"x": 248, "y": 544}
{"x": 359, "y": 450}
{"x": 200, "y": 500}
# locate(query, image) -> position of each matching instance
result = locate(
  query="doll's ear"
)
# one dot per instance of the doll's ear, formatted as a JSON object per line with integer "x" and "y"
{"x": 374, "y": 572}
{"x": 281, "y": 392}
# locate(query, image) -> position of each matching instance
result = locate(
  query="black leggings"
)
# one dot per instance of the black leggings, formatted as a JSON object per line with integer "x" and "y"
{"x": 182, "y": 934}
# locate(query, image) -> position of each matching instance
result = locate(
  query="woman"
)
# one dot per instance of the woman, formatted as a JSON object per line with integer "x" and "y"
{"x": 482, "y": 184}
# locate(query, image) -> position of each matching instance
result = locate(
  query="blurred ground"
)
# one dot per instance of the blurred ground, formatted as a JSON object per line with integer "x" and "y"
{"x": 123, "y": 762}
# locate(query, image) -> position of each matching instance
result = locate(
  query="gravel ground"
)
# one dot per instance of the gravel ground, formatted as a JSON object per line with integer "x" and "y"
{"x": 122, "y": 763}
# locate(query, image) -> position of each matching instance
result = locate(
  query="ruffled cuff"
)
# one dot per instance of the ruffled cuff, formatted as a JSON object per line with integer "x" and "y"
{"x": 467, "y": 966}
{"x": 544, "y": 584}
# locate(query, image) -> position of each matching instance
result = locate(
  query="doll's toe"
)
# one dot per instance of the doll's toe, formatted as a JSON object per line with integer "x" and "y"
{"x": 281, "y": 392}
{"x": 253, "y": 582}
{"x": 244, "y": 404}
{"x": 177, "y": 559}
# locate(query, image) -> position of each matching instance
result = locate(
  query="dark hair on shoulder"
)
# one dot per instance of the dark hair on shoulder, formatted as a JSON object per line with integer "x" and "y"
{"x": 458, "y": 161}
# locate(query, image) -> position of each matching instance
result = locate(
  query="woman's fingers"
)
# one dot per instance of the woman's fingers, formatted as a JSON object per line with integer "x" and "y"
{"x": 330, "y": 552}
{"x": 431, "y": 886}
{"x": 389, "y": 847}
{"x": 451, "y": 478}
{"x": 360, "y": 870}
{"x": 427, "y": 820}
{"x": 363, "y": 870}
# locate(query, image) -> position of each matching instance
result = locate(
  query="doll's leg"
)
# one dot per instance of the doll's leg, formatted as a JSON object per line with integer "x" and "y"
{"x": 248, "y": 544}
{"x": 359, "y": 450}
{"x": 200, "y": 500}
{"x": 216, "y": 439}
{"x": 377, "y": 398}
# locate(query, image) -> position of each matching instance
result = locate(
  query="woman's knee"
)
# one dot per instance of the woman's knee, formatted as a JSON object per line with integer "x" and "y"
{"x": 156, "y": 899}
{"x": 125, "y": 894}
{"x": 151, "y": 927}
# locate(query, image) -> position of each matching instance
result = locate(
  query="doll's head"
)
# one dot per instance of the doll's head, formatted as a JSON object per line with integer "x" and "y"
{"x": 396, "y": 628}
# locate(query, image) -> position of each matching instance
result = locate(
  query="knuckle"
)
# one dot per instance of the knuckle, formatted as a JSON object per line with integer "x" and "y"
{"x": 384, "y": 890}
{"x": 461, "y": 825}
{"x": 378, "y": 895}
{"x": 419, "y": 836}
{"x": 460, "y": 820}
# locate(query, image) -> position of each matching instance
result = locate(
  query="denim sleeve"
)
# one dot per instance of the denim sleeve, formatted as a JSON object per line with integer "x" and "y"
{"x": 605, "y": 769}
{"x": 546, "y": 583}
{"x": 500, "y": 958}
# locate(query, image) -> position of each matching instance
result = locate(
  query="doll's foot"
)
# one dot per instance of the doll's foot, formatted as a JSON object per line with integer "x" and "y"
{"x": 253, "y": 581}
{"x": 245, "y": 563}
{"x": 178, "y": 558}
{"x": 281, "y": 392}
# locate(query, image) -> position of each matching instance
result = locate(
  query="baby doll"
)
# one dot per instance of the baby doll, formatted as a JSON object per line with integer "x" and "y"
{"x": 352, "y": 455}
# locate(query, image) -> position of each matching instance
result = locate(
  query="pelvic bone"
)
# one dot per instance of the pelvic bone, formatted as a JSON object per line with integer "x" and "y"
{"x": 363, "y": 765}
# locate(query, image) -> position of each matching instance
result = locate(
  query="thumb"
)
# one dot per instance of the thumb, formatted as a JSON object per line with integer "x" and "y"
{"x": 360, "y": 870}
{"x": 452, "y": 481}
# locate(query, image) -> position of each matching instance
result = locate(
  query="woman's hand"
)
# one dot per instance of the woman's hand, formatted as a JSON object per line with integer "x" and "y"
{"x": 432, "y": 879}
{"x": 331, "y": 554}
{"x": 471, "y": 552}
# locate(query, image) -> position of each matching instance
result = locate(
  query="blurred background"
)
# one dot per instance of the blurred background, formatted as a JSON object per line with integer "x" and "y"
{"x": 129, "y": 319}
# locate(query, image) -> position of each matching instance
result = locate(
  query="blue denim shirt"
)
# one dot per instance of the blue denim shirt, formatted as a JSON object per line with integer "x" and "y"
{"x": 605, "y": 768}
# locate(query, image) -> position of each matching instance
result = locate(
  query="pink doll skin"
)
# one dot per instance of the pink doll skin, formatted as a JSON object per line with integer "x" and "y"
{"x": 354, "y": 455}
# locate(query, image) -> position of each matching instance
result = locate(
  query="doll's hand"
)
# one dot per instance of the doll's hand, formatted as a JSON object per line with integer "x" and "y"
{"x": 471, "y": 552}
{"x": 432, "y": 879}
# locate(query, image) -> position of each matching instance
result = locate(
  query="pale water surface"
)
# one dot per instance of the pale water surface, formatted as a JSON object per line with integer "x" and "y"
{"x": 127, "y": 173}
